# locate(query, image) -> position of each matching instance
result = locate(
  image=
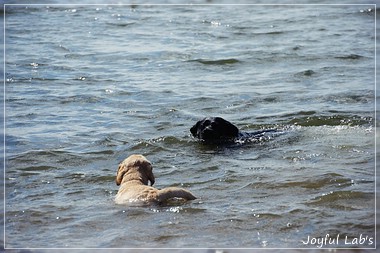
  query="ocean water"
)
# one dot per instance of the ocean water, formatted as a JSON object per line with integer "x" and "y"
{"x": 88, "y": 85}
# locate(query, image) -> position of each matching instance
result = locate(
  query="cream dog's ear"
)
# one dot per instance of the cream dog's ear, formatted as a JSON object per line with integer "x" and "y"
{"x": 123, "y": 168}
{"x": 150, "y": 174}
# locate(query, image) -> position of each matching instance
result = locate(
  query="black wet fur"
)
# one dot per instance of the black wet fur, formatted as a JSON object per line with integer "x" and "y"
{"x": 217, "y": 129}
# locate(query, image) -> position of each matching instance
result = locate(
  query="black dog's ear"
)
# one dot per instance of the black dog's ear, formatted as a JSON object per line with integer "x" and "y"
{"x": 228, "y": 129}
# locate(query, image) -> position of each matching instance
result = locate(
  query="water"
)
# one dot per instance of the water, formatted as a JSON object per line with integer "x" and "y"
{"x": 88, "y": 85}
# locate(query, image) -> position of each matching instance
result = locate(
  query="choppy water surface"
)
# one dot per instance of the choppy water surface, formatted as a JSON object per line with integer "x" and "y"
{"x": 88, "y": 85}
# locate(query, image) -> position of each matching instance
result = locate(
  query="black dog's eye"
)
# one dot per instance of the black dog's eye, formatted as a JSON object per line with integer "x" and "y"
{"x": 207, "y": 123}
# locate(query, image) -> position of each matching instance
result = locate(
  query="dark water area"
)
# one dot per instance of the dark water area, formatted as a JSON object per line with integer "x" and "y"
{"x": 88, "y": 85}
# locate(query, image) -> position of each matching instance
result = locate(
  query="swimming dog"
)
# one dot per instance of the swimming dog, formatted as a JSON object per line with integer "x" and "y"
{"x": 217, "y": 129}
{"x": 133, "y": 176}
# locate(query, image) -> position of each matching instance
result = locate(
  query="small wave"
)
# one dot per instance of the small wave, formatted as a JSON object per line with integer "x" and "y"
{"x": 342, "y": 199}
{"x": 321, "y": 182}
{"x": 82, "y": 99}
{"x": 216, "y": 62}
{"x": 270, "y": 33}
{"x": 37, "y": 168}
{"x": 365, "y": 97}
{"x": 48, "y": 159}
{"x": 333, "y": 120}
{"x": 308, "y": 72}
{"x": 167, "y": 140}
{"x": 350, "y": 57}
{"x": 158, "y": 144}
{"x": 120, "y": 24}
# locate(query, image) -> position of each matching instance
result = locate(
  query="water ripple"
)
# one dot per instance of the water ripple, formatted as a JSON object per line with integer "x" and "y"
{"x": 216, "y": 62}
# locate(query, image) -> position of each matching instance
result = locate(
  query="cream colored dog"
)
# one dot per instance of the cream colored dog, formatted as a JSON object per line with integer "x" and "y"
{"x": 133, "y": 175}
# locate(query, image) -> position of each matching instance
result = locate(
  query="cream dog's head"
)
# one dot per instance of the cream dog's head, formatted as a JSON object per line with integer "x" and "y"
{"x": 135, "y": 167}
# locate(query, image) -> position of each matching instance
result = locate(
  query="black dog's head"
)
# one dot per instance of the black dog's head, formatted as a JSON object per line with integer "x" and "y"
{"x": 214, "y": 129}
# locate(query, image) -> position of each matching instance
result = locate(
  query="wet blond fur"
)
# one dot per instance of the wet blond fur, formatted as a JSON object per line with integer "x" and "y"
{"x": 133, "y": 176}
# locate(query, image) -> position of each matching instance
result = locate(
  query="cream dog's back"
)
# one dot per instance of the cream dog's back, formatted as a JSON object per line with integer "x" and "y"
{"x": 133, "y": 176}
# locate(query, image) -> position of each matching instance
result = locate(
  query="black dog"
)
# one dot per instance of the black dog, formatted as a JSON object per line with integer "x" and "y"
{"x": 217, "y": 129}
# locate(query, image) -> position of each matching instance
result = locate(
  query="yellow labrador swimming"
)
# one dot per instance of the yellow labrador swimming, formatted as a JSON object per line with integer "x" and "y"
{"x": 133, "y": 176}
